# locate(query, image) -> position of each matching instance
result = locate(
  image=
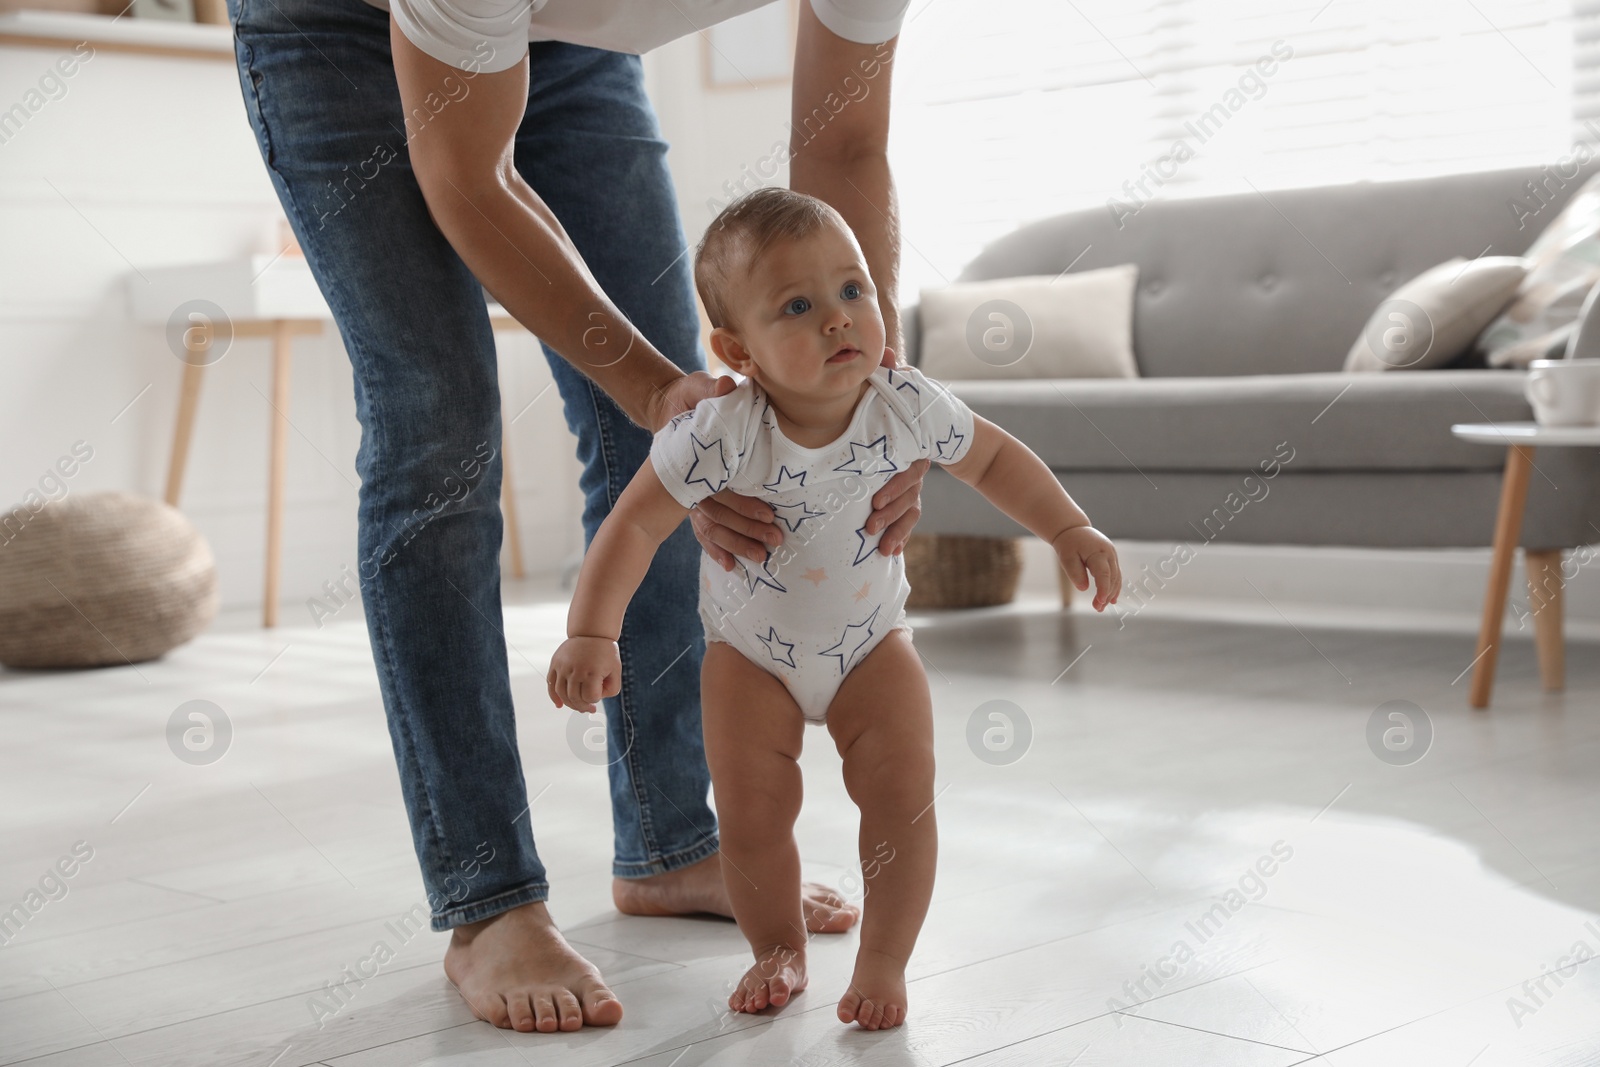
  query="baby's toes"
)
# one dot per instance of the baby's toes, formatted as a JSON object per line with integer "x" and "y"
{"x": 849, "y": 1005}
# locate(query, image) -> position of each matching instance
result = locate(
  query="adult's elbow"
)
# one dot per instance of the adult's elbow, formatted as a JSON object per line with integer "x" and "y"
{"x": 453, "y": 184}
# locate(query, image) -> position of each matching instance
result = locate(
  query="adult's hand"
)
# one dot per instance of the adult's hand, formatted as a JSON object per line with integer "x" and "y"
{"x": 683, "y": 393}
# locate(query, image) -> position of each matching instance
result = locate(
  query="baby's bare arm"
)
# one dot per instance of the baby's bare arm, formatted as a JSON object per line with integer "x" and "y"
{"x": 588, "y": 665}
{"x": 644, "y": 516}
{"x": 1015, "y": 480}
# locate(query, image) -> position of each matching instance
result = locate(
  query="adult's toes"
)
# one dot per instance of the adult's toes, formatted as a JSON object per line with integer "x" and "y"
{"x": 823, "y": 894}
{"x": 544, "y": 1012}
{"x": 519, "y": 1013}
{"x": 829, "y": 919}
{"x": 570, "y": 1011}
{"x": 601, "y": 1007}
{"x": 501, "y": 1011}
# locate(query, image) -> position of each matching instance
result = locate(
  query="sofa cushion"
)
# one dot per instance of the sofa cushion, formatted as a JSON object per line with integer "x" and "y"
{"x": 1069, "y": 326}
{"x": 1332, "y": 421}
{"x": 1434, "y": 317}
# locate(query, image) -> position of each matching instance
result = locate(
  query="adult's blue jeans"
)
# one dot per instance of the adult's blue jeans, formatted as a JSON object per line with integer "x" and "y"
{"x": 320, "y": 90}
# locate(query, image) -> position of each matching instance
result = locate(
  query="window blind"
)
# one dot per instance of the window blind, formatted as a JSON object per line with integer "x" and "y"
{"x": 1007, "y": 111}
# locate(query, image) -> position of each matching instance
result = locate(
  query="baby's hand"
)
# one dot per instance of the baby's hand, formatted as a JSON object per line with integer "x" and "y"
{"x": 583, "y": 670}
{"x": 1083, "y": 551}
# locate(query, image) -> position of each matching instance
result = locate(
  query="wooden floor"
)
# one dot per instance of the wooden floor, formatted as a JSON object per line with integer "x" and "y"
{"x": 1414, "y": 915}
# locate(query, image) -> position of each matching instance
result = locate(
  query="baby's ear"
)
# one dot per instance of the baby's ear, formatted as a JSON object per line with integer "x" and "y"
{"x": 726, "y": 346}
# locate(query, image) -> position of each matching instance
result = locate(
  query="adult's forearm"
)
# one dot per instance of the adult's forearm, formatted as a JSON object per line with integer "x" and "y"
{"x": 861, "y": 188}
{"x": 522, "y": 255}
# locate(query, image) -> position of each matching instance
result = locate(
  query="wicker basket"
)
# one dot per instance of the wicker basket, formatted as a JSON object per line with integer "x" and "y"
{"x": 949, "y": 571}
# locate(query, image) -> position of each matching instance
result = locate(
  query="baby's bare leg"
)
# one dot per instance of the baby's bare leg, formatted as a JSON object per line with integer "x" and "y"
{"x": 753, "y": 732}
{"x": 882, "y": 721}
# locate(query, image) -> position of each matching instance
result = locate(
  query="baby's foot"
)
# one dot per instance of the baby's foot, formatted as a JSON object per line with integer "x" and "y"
{"x": 779, "y": 973}
{"x": 877, "y": 995}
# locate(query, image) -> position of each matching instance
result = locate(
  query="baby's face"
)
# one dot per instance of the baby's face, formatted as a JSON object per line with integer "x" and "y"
{"x": 807, "y": 317}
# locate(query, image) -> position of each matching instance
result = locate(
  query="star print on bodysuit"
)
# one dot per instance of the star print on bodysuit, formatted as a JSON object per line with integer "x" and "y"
{"x": 874, "y": 454}
{"x": 786, "y": 480}
{"x": 813, "y": 607}
{"x": 946, "y": 447}
{"x": 844, "y": 649}
{"x": 900, "y": 381}
{"x": 716, "y": 465}
{"x": 792, "y": 515}
{"x": 772, "y": 641}
{"x": 761, "y": 575}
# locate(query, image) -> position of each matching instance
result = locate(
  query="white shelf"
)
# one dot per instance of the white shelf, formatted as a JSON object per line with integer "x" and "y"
{"x": 262, "y": 288}
{"x": 116, "y": 33}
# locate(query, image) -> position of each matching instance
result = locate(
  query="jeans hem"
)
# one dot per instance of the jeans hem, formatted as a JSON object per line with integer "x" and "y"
{"x": 671, "y": 862}
{"x": 478, "y": 910}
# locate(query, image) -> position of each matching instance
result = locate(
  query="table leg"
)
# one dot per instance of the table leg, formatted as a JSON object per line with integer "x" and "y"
{"x": 1507, "y": 529}
{"x": 1544, "y": 602}
{"x": 1067, "y": 588}
{"x": 183, "y": 430}
{"x": 282, "y": 351}
{"x": 508, "y": 505}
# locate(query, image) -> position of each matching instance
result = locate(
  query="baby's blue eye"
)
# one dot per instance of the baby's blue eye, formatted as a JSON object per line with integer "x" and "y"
{"x": 803, "y": 306}
{"x": 851, "y": 290}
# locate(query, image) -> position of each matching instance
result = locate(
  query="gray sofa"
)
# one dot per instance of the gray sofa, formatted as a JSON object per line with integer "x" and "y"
{"x": 1245, "y": 309}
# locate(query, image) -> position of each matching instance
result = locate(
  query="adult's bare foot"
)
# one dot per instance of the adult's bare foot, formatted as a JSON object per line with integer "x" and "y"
{"x": 699, "y": 888}
{"x": 516, "y": 970}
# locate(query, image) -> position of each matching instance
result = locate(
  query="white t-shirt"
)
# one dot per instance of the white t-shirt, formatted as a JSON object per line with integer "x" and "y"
{"x": 492, "y": 35}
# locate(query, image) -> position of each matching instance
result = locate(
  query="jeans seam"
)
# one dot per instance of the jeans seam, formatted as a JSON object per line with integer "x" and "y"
{"x": 635, "y": 772}
{"x": 380, "y": 607}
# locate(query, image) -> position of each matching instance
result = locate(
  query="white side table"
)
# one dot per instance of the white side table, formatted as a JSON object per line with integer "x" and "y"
{"x": 263, "y": 296}
{"x": 1544, "y": 567}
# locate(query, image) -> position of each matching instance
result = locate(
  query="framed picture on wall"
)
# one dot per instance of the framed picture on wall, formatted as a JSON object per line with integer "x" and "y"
{"x": 750, "y": 50}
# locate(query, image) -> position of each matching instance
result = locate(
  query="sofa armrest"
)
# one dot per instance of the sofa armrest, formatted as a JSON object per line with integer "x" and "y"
{"x": 1585, "y": 340}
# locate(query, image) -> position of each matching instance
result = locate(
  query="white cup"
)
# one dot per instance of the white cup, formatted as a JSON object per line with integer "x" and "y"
{"x": 1564, "y": 392}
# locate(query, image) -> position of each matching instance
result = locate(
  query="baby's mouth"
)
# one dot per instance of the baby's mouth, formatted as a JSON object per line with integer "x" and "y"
{"x": 845, "y": 354}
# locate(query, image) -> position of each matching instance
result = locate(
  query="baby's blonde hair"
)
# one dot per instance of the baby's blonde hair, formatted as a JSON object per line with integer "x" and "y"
{"x": 743, "y": 231}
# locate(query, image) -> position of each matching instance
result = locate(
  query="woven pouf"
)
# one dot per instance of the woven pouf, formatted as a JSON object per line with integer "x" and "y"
{"x": 951, "y": 571}
{"x": 98, "y": 579}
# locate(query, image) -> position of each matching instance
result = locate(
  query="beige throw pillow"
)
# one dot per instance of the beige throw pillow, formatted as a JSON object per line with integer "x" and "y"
{"x": 1066, "y": 326}
{"x": 1434, "y": 317}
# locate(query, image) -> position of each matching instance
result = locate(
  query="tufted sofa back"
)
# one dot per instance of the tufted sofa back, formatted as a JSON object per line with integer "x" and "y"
{"x": 1281, "y": 282}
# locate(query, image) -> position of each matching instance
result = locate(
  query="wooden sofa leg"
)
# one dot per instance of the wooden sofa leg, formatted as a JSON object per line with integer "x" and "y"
{"x": 1545, "y": 602}
{"x": 1066, "y": 587}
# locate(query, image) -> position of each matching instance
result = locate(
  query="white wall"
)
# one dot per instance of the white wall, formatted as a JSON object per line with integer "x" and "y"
{"x": 149, "y": 161}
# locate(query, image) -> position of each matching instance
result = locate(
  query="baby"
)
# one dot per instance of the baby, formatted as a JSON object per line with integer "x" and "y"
{"x": 817, "y": 632}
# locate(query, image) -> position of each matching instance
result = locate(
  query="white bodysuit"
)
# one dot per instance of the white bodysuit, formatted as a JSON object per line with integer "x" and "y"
{"x": 826, "y": 596}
